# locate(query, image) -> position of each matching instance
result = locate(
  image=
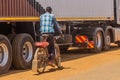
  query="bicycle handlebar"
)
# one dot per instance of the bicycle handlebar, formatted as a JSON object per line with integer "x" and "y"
{"x": 45, "y": 36}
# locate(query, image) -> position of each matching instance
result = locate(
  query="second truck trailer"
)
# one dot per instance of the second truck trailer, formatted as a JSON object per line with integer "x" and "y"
{"x": 87, "y": 24}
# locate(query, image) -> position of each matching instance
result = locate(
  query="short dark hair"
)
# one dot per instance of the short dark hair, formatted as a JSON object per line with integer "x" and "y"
{"x": 49, "y": 9}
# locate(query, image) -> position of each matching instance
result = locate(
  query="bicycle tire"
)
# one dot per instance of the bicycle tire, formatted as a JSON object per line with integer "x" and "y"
{"x": 40, "y": 60}
{"x": 57, "y": 56}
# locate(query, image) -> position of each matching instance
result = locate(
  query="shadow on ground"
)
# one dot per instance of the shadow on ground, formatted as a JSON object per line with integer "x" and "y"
{"x": 52, "y": 70}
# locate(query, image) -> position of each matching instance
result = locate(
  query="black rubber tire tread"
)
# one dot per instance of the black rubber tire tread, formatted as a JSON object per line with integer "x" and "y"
{"x": 17, "y": 44}
{"x": 4, "y": 39}
{"x": 96, "y": 49}
{"x": 107, "y": 47}
{"x": 11, "y": 37}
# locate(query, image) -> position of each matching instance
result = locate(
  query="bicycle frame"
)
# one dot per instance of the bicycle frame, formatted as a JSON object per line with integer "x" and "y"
{"x": 41, "y": 55}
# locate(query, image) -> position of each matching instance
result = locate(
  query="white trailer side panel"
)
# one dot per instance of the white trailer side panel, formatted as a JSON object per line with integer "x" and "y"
{"x": 118, "y": 11}
{"x": 81, "y": 9}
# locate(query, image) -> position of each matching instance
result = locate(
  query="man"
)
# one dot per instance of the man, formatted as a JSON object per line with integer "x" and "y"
{"x": 47, "y": 23}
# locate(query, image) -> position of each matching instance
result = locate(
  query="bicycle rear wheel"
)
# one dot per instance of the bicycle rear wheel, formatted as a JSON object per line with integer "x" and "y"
{"x": 57, "y": 56}
{"x": 40, "y": 60}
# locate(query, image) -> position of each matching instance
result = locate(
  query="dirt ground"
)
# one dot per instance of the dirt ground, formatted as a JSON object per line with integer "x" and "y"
{"x": 78, "y": 65}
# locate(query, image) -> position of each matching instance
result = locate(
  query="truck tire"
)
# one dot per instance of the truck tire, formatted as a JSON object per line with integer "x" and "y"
{"x": 107, "y": 41}
{"x": 98, "y": 42}
{"x": 23, "y": 51}
{"x": 5, "y": 54}
{"x": 11, "y": 37}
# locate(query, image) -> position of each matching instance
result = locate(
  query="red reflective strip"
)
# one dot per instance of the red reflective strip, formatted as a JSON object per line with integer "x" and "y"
{"x": 81, "y": 38}
{"x": 85, "y": 38}
{"x": 78, "y": 40}
{"x": 90, "y": 44}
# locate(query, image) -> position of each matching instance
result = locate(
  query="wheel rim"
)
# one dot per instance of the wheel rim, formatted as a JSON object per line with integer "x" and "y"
{"x": 27, "y": 51}
{"x": 98, "y": 40}
{"x": 108, "y": 39}
{"x": 3, "y": 54}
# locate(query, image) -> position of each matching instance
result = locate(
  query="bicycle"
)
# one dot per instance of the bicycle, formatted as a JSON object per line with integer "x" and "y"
{"x": 40, "y": 60}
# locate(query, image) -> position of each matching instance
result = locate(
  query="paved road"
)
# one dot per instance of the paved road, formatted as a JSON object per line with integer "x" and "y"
{"x": 78, "y": 65}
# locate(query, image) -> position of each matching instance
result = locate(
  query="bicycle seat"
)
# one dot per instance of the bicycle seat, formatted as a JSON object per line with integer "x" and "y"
{"x": 41, "y": 44}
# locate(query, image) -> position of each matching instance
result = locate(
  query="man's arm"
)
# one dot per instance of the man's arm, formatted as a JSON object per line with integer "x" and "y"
{"x": 56, "y": 25}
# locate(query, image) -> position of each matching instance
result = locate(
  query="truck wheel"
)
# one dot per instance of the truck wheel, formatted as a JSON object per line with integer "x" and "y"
{"x": 5, "y": 54}
{"x": 98, "y": 42}
{"x": 11, "y": 37}
{"x": 23, "y": 51}
{"x": 107, "y": 41}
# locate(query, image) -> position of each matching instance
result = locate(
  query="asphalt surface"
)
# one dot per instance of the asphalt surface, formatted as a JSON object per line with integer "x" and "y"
{"x": 78, "y": 65}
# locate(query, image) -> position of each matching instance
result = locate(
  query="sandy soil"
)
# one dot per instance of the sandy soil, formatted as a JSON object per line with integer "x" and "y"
{"x": 78, "y": 65}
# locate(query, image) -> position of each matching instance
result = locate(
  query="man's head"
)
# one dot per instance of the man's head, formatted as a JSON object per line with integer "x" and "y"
{"x": 49, "y": 9}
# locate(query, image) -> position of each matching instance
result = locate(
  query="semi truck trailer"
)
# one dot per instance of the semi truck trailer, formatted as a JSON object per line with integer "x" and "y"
{"x": 17, "y": 21}
{"x": 88, "y": 24}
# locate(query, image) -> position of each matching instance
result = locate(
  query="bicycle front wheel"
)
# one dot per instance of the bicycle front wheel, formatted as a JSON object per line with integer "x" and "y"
{"x": 57, "y": 56}
{"x": 39, "y": 62}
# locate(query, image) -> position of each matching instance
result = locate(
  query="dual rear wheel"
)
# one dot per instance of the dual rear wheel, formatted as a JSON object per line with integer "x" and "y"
{"x": 5, "y": 54}
{"x": 99, "y": 41}
{"x": 23, "y": 51}
{"x": 19, "y": 54}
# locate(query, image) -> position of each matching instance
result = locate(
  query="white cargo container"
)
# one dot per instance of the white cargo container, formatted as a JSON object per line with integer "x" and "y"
{"x": 81, "y": 9}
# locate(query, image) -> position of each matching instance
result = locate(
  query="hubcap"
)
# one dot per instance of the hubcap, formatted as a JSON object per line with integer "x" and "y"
{"x": 3, "y": 54}
{"x": 27, "y": 51}
{"x": 98, "y": 40}
{"x": 108, "y": 39}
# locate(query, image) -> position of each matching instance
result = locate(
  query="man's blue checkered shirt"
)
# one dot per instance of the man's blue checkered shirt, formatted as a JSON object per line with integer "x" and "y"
{"x": 46, "y": 23}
